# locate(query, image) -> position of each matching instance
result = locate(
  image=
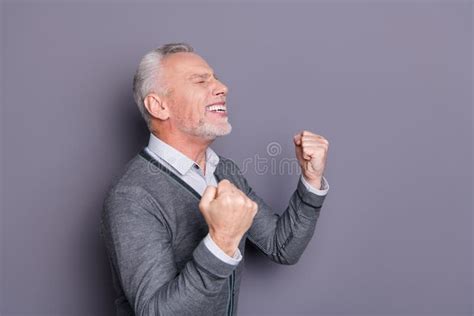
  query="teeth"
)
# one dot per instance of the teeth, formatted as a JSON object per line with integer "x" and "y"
{"x": 216, "y": 108}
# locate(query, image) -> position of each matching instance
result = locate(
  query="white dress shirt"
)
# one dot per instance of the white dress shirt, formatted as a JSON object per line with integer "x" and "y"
{"x": 190, "y": 172}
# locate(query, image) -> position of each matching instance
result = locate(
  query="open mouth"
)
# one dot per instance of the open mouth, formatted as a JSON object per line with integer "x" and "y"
{"x": 217, "y": 108}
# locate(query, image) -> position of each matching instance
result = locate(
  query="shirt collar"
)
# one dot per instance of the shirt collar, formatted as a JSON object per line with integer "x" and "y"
{"x": 177, "y": 159}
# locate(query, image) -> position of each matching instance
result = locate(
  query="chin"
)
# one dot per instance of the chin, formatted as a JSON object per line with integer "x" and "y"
{"x": 208, "y": 131}
{"x": 212, "y": 132}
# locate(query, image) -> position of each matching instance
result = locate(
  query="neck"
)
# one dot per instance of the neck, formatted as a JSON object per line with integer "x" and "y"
{"x": 191, "y": 146}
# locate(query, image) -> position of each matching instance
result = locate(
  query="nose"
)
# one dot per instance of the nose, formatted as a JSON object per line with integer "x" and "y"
{"x": 220, "y": 89}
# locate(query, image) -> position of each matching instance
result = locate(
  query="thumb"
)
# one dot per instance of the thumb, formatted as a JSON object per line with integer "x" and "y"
{"x": 297, "y": 139}
{"x": 208, "y": 196}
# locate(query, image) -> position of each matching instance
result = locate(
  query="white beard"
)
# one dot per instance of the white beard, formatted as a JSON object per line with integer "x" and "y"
{"x": 207, "y": 130}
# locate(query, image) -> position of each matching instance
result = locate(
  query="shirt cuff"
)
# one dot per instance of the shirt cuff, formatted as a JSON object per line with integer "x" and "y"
{"x": 324, "y": 186}
{"x": 216, "y": 251}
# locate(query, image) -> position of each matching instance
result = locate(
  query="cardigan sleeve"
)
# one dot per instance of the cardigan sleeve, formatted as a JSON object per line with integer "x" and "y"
{"x": 283, "y": 238}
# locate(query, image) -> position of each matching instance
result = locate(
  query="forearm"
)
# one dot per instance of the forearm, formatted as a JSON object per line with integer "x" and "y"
{"x": 284, "y": 238}
{"x": 193, "y": 291}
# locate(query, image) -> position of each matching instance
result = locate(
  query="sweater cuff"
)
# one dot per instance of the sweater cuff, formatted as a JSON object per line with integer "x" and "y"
{"x": 322, "y": 191}
{"x": 206, "y": 260}
{"x": 309, "y": 198}
{"x": 219, "y": 253}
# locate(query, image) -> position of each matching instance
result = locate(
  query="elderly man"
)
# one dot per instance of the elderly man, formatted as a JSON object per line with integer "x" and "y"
{"x": 176, "y": 222}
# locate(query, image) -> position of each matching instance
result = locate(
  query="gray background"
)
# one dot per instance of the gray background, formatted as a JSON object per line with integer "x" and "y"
{"x": 389, "y": 84}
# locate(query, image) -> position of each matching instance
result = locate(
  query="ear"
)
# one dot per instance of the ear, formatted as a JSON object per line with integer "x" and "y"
{"x": 156, "y": 107}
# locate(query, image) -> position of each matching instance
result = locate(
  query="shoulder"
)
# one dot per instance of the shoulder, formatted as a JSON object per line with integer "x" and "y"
{"x": 131, "y": 183}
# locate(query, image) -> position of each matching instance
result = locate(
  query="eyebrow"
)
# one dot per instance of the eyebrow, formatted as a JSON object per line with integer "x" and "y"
{"x": 201, "y": 76}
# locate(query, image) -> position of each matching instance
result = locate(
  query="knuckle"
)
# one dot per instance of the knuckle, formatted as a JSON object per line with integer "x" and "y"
{"x": 240, "y": 200}
{"x": 251, "y": 205}
{"x": 255, "y": 210}
{"x": 225, "y": 182}
{"x": 227, "y": 200}
{"x": 247, "y": 203}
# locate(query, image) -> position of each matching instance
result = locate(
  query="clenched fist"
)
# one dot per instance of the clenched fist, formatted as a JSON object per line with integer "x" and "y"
{"x": 229, "y": 214}
{"x": 311, "y": 151}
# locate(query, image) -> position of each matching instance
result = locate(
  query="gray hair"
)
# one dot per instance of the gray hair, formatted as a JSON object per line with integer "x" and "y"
{"x": 147, "y": 77}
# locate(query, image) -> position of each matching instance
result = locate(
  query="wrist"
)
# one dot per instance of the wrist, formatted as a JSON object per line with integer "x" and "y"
{"x": 314, "y": 182}
{"x": 226, "y": 244}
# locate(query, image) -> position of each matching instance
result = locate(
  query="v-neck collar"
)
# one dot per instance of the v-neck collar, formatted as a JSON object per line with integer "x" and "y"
{"x": 176, "y": 159}
{"x": 218, "y": 174}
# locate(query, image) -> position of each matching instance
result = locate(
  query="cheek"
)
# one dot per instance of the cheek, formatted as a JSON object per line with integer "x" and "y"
{"x": 197, "y": 97}
{"x": 189, "y": 112}
{"x": 191, "y": 105}
{"x": 197, "y": 103}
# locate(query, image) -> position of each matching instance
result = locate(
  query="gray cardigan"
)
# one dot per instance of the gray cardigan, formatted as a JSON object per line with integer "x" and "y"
{"x": 153, "y": 232}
